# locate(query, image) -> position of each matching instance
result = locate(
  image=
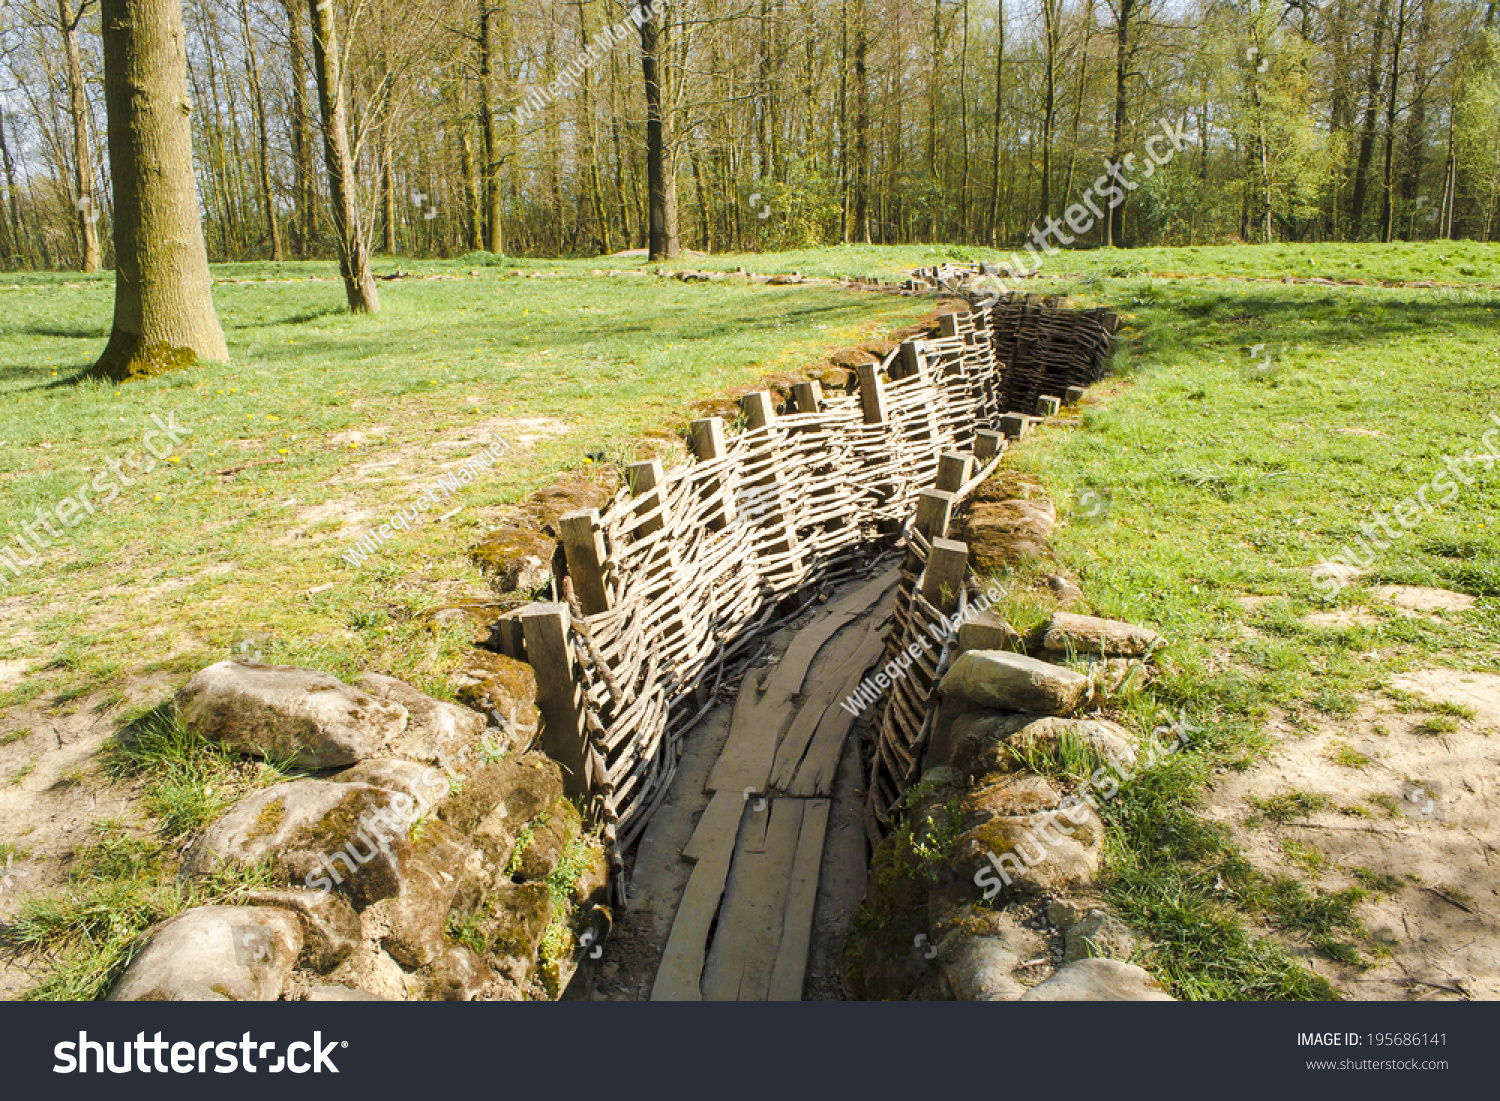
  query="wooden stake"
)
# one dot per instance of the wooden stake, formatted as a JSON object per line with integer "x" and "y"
{"x": 1048, "y": 406}
{"x": 759, "y": 410}
{"x": 807, "y": 396}
{"x": 1013, "y": 426}
{"x": 708, "y": 443}
{"x": 945, "y": 574}
{"x": 583, "y": 543}
{"x": 643, "y": 478}
{"x": 934, "y": 511}
{"x": 708, "y": 437}
{"x": 948, "y": 324}
{"x": 871, "y": 395}
{"x": 954, "y": 469}
{"x": 913, "y": 358}
{"x": 987, "y": 445}
{"x": 559, "y": 696}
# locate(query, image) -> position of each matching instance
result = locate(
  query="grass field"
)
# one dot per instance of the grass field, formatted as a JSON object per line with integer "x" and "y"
{"x": 337, "y": 421}
{"x": 1256, "y": 425}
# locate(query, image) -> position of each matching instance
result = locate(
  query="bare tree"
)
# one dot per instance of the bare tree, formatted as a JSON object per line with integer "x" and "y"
{"x": 353, "y": 239}
{"x": 84, "y": 201}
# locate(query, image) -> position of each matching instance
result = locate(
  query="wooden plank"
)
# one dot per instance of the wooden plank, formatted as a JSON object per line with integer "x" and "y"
{"x": 824, "y": 696}
{"x": 816, "y": 772}
{"x": 558, "y": 695}
{"x": 583, "y": 543}
{"x": 758, "y": 723}
{"x": 721, "y": 816}
{"x": 680, "y": 973}
{"x": 748, "y": 934}
{"x": 789, "y": 975}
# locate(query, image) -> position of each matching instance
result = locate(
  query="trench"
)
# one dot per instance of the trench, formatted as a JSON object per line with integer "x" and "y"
{"x": 712, "y": 645}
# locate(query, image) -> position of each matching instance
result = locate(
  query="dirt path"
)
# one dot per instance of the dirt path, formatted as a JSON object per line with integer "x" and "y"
{"x": 1401, "y": 801}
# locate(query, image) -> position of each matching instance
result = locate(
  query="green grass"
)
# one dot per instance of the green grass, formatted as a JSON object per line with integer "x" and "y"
{"x": 185, "y": 781}
{"x": 123, "y": 879}
{"x": 183, "y": 564}
{"x": 1226, "y": 481}
{"x": 1222, "y": 480}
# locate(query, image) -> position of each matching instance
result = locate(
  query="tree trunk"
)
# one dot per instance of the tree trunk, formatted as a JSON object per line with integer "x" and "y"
{"x": 473, "y": 214}
{"x": 302, "y": 154}
{"x": 13, "y": 200}
{"x": 354, "y": 248}
{"x": 591, "y": 138}
{"x": 999, "y": 111}
{"x": 489, "y": 171}
{"x": 845, "y": 179}
{"x": 86, "y": 205}
{"x": 1387, "y": 207}
{"x": 861, "y": 123}
{"x": 662, "y": 243}
{"x": 1114, "y": 226}
{"x": 1367, "y": 131}
{"x": 258, "y": 103}
{"x": 164, "y": 310}
{"x": 1052, "y": 32}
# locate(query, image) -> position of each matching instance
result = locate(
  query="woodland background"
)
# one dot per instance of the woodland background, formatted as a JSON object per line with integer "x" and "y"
{"x": 786, "y": 123}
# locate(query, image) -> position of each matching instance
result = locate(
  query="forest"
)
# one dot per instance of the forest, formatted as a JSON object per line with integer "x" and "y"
{"x": 494, "y": 126}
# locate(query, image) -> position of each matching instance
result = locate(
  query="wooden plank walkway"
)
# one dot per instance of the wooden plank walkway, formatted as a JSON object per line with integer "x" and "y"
{"x": 743, "y": 930}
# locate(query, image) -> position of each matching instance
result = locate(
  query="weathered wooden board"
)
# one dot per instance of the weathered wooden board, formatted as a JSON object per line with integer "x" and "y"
{"x": 824, "y": 695}
{"x": 748, "y": 934}
{"x": 816, "y": 771}
{"x": 759, "y": 720}
{"x": 712, "y": 846}
{"x": 789, "y": 974}
{"x": 720, "y": 817}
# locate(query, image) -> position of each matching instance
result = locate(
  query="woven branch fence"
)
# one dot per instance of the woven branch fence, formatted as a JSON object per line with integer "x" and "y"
{"x": 671, "y": 584}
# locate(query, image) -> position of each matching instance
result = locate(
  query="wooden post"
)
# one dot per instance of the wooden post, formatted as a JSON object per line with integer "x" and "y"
{"x": 987, "y": 445}
{"x": 708, "y": 443}
{"x": 1048, "y": 406}
{"x": 945, "y": 574}
{"x": 807, "y": 396}
{"x": 934, "y": 511}
{"x": 764, "y": 496}
{"x": 954, "y": 469}
{"x": 583, "y": 543}
{"x": 559, "y": 696}
{"x": 708, "y": 437}
{"x": 645, "y": 477}
{"x": 1013, "y": 426}
{"x": 509, "y": 635}
{"x": 948, "y": 325}
{"x": 913, "y": 358}
{"x": 1072, "y": 395}
{"x": 871, "y": 396}
{"x": 759, "y": 409}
